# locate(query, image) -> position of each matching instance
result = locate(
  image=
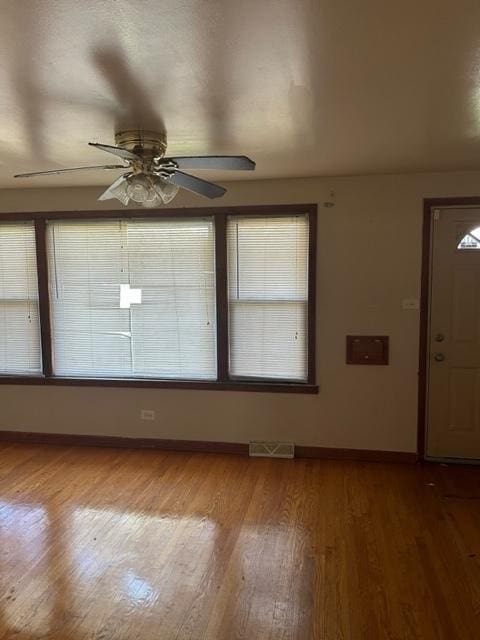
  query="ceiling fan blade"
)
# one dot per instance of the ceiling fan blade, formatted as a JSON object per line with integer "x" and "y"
{"x": 108, "y": 193}
{"x": 234, "y": 163}
{"x": 117, "y": 151}
{"x": 55, "y": 171}
{"x": 197, "y": 185}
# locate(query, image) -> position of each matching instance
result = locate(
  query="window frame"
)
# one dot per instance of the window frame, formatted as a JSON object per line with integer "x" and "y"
{"x": 219, "y": 216}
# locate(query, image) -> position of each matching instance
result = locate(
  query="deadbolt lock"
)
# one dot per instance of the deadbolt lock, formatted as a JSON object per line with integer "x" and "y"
{"x": 439, "y": 337}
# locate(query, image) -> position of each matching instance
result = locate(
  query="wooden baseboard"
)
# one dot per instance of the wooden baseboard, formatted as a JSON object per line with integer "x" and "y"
{"x": 68, "y": 439}
{"x": 239, "y": 448}
{"x": 361, "y": 455}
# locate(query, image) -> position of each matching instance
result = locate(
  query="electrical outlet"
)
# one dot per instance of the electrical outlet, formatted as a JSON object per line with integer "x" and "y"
{"x": 147, "y": 414}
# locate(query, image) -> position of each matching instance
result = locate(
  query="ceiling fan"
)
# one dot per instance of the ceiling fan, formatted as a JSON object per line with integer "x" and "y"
{"x": 152, "y": 178}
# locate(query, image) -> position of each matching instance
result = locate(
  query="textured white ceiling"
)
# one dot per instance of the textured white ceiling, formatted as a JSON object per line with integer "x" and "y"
{"x": 304, "y": 87}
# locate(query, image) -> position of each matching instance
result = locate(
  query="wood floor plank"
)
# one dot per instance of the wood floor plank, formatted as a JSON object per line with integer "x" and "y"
{"x": 113, "y": 544}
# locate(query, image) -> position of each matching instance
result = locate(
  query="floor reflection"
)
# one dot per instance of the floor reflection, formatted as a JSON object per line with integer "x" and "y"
{"x": 24, "y": 530}
{"x": 127, "y": 553}
{"x": 74, "y": 560}
{"x": 139, "y": 590}
{"x": 115, "y": 545}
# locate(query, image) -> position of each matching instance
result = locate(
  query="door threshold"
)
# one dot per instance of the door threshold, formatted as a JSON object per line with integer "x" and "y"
{"x": 471, "y": 461}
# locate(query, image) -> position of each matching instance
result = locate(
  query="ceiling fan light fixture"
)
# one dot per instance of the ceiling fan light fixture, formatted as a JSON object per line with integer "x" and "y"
{"x": 153, "y": 201}
{"x": 148, "y": 190}
{"x": 119, "y": 191}
{"x": 138, "y": 188}
{"x": 165, "y": 189}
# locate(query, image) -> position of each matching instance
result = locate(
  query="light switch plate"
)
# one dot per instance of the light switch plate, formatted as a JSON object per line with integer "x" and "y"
{"x": 411, "y": 303}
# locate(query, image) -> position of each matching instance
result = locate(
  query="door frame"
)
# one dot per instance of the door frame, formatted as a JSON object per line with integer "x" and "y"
{"x": 428, "y": 205}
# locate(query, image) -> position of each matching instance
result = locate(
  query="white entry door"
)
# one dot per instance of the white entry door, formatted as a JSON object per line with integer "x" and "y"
{"x": 453, "y": 403}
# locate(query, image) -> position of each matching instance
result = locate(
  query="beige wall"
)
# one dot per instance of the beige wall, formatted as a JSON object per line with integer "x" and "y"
{"x": 369, "y": 252}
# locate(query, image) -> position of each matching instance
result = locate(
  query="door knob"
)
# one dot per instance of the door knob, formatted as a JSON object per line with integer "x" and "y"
{"x": 439, "y": 357}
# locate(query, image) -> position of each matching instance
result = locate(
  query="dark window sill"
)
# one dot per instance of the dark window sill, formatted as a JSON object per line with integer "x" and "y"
{"x": 268, "y": 387}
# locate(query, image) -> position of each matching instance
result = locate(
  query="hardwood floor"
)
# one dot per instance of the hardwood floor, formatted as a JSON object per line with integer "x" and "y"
{"x": 111, "y": 544}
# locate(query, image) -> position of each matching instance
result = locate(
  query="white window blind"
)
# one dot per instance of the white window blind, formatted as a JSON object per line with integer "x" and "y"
{"x": 20, "y": 351}
{"x": 133, "y": 298}
{"x": 268, "y": 296}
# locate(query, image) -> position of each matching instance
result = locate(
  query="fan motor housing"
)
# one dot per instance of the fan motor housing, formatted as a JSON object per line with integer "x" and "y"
{"x": 145, "y": 143}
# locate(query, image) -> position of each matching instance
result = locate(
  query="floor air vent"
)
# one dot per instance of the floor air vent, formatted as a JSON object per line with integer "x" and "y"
{"x": 271, "y": 449}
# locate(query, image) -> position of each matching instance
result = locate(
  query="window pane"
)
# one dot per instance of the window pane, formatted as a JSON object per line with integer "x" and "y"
{"x": 20, "y": 351}
{"x": 133, "y": 298}
{"x": 268, "y": 296}
{"x": 471, "y": 240}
